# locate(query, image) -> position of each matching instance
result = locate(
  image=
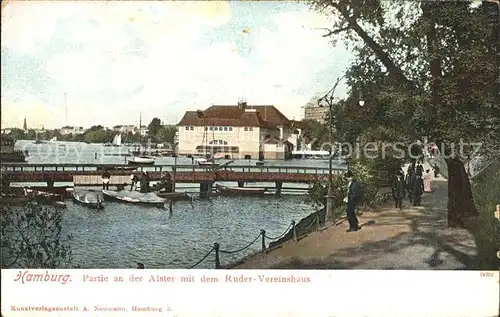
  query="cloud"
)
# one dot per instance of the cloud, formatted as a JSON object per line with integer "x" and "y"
{"x": 162, "y": 58}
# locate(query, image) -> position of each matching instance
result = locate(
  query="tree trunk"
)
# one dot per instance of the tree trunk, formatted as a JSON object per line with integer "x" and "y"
{"x": 460, "y": 201}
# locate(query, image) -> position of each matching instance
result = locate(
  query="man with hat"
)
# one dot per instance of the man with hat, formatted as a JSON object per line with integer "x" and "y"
{"x": 353, "y": 199}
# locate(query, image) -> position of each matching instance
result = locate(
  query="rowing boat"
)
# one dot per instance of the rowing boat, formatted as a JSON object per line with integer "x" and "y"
{"x": 250, "y": 191}
{"x": 134, "y": 197}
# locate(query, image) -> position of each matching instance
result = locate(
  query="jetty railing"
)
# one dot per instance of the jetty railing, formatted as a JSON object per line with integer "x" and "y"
{"x": 216, "y": 249}
{"x": 48, "y": 167}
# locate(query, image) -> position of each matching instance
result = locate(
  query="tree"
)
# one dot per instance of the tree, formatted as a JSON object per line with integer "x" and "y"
{"x": 436, "y": 48}
{"x": 154, "y": 126}
{"x": 31, "y": 238}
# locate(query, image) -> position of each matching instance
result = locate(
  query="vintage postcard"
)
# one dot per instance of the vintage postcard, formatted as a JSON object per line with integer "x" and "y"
{"x": 158, "y": 151}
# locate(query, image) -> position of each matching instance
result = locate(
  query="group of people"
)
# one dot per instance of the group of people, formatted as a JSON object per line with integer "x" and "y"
{"x": 144, "y": 181}
{"x": 412, "y": 185}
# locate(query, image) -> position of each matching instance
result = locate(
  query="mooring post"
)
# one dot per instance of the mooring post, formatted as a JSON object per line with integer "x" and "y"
{"x": 279, "y": 185}
{"x": 263, "y": 235}
{"x": 294, "y": 230}
{"x": 217, "y": 259}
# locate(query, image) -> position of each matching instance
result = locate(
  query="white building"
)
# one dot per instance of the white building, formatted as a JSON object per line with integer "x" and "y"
{"x": 71, "y": 130}
{"x": 126, "y": 128}
{"x": 241, "y": 131}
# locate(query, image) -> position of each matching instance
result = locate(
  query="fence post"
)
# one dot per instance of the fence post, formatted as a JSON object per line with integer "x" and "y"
{"x": 217, "y": 259}
{"x": 263, "y": 234}
{"x": 318, "y": 227}
{"x": 294, "y": 230}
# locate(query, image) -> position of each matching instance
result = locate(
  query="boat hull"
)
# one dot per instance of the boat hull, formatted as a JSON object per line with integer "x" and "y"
{"x": 79, "y": 198}
{"x": 174, "y": 196}
{"x": 240, "y": 191}
{"x": 138, "y": 200}
{"x": 141, "y": 161}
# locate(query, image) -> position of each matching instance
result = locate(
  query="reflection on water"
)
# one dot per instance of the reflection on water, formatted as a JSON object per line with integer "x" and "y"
{"x": 123, "y": 234}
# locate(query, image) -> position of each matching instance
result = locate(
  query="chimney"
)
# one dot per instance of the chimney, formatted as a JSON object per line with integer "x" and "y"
{"x": 242, "y": 104}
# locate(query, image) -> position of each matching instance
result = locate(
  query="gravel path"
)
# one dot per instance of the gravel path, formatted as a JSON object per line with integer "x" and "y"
{"x": 412, "y": 238}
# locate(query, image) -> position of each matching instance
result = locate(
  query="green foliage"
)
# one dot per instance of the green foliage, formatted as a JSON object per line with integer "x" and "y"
{"x": 31, "y": 238}
{"x": 315, "y": 132}
{"x": 318, "y": 191}
{"x": 154, "y": 126}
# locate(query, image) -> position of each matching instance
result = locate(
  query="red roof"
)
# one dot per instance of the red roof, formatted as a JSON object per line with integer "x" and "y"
{"x": 236, "y": 116}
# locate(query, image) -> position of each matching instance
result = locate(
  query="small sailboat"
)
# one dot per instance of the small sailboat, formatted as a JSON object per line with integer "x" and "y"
{"x": 117, "y": 140}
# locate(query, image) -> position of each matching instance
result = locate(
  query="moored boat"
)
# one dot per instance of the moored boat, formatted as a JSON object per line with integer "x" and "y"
{"x": 116, "y": 168}
{"x": 134, "y": 197}
{"x": 174, "y": 196}
{"x": 255, "y": 191}
{"x": 90, "y": 199}
{"x": 141, "y": 160}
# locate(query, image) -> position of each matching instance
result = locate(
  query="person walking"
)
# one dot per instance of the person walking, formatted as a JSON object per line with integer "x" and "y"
{"x": 436, "y": 170}
{"x": 418, "y": 190}
{"x": 410, "y": 174}
{"x": 427, "y": 181}
{"x": 398, "y": 190}
{"x": 419, "y": 169}
{"x": 353, "y": 198}
{"x": 105, "y": 179}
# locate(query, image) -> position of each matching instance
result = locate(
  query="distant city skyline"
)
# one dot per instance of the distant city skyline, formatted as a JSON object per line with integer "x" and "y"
{"x": 109, "y": 61}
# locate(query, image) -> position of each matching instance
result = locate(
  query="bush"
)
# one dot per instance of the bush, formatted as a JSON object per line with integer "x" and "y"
{"x": 31, "y": 238}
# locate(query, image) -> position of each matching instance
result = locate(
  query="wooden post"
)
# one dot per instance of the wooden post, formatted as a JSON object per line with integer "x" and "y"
{"x": 318, "y": 226}
{"x": 217, "y": 259}
{"x": 263, "y": 235}
{"x": 294, "y": 230}
{"x": 279, "y": 185}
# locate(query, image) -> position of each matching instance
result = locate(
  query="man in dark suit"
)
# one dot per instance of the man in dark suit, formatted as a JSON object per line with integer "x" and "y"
{"x": 419, "y": 170}
{"x": 352, "y": 200}
{"x": 398, "y": 190}
{"x": 418, "y": 190}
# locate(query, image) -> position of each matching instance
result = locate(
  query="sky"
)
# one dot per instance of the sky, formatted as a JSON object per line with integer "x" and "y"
{"x": 108, "y": 62}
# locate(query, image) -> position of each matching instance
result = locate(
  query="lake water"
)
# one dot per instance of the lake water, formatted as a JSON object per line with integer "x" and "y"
{"x": 123, "y": 234}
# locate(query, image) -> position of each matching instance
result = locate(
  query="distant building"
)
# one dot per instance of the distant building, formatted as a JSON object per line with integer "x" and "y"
{"x": 6, "y": 131}
{"x": 71, "y": 130}
{"x": 144, "y": 130}
{"x": 238, "y": 131}
{"x": 312, "y": 110}
{"x": 126, "y": 128}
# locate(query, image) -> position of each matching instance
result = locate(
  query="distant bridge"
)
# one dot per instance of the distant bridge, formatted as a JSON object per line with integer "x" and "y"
{"x": 178, "y": 173}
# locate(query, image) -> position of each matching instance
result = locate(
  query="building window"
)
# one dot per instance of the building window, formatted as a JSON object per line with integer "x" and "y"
{"x": 191, "y": 128}
{"x": 217, "y": 142}
{"x": 206, "y": 129}
{"x": 250, "y": 129}
{"x": 211, "y": 128}
{"x": 225, "y": 128}
{"x": 187, "y": 129}
{"x": 230, "y": 128}
{"x": 216, "y": 128}
{"x": 246, "y": 128}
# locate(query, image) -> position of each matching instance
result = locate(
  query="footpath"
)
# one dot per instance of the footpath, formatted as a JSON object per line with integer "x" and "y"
{"x": 412, "y": 238}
